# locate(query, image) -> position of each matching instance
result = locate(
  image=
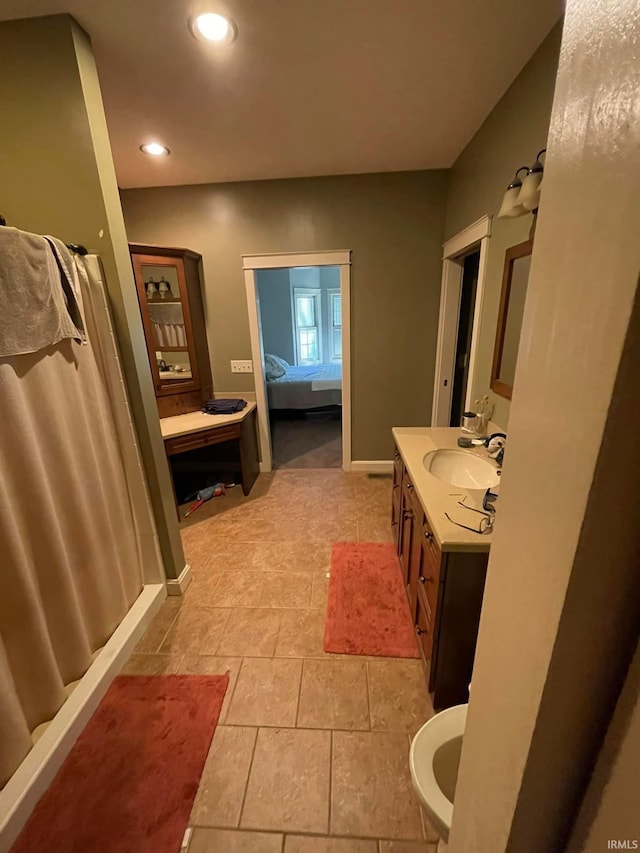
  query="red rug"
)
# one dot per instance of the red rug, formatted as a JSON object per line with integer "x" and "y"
{"x": 130, "y": 780}
{"x": 367, "y": 611}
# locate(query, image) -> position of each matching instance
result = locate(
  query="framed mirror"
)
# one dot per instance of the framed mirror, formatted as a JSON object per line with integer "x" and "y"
{"x": 515, "y": 277}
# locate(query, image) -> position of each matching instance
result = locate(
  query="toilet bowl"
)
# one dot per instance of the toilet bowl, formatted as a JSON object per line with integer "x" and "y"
{"x": 434, "y": 759}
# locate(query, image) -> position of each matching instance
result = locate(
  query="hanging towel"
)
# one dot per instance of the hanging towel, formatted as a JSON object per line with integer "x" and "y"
{"x": 224, "y": 407}
{"x": 39, "y": 297}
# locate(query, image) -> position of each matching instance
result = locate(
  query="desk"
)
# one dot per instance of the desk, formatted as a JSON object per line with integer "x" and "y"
{"x": 196, "y": 430}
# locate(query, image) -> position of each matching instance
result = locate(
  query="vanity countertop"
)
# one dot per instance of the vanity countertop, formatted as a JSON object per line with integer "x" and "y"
{"x": 198, "y": 421}
{"x": 436, "y": 496}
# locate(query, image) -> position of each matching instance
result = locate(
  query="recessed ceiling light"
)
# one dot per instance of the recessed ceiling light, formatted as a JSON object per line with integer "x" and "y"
{"x": 213, "y": 27}
{"x": 155, "y": 149}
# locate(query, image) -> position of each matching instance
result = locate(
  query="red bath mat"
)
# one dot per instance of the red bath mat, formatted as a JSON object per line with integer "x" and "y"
{"x": 367, "y": 611}
{"x": 130, "y": 780}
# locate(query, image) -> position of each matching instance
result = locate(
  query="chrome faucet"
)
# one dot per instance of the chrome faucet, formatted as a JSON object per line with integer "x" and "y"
{"x": 495, "y": 445}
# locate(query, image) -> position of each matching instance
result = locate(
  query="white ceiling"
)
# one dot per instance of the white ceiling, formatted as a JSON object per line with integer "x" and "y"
{"x": 310, "y": 87}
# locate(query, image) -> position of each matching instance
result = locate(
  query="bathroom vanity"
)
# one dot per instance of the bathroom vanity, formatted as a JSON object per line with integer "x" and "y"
{"x": 444, "y": 565}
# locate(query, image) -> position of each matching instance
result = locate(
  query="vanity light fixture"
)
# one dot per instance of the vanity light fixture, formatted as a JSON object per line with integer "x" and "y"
{"x": 523, "y": 195}
{"x": 529, "y": 196}
{"x": 210, "y": 26}
{"x": 155, "y": 149}
{"x": 510, "y": 206}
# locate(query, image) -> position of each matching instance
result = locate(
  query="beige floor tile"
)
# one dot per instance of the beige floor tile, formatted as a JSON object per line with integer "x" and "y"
{"x": 301, "y": 634}
{"x": 196, "y": 631}
{"x": 286, "y": 589}
{"x": 310, "y": 844}
{"x": 212, "y": 665}
{"x": 408, "y": 847}
{"x": 159, "y": 628}
{"x": 320, "y": 590}
{"x": 371, "y": 793}
{"x": 291, "y": 556}
{"x": 333, "y": 695}
{"x": 250, "y": 631}
{"x": 374, "y": 530}
{"x": 288, "y": 786}
{"x": 266, "y": 693}
{"x": 140, "y": 664}
{"x": 398, "y": 696}
{"x": 229, "y": 841}
{"x": 231, "y": 556}
{"x": 224, "y": 778}
{"x": 237, "y": 589}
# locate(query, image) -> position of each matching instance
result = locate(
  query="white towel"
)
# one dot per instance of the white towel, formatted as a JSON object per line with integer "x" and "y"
{"x": 38, "y": 295}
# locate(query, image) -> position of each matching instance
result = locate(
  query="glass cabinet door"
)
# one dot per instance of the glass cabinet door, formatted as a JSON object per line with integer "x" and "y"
{"x": 165, "y": 312}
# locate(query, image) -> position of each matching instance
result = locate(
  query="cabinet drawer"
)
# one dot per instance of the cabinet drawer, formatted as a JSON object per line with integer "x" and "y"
{"x": 194, "y": 440}
{"x": 424, "y": 625}
{"x": 432, "y": 551}
{"x": 397, "y": 467}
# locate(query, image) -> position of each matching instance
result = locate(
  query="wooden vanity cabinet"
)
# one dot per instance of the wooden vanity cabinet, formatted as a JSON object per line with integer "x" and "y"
{"x": 445, "y": 592}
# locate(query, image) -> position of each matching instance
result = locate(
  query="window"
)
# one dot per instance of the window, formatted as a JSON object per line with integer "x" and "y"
{"x": 307, "y": 325}
{"x": 335, "y": 325}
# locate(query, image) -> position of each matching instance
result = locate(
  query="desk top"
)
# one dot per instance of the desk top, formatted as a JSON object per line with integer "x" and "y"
{"x": 198, "y": 421}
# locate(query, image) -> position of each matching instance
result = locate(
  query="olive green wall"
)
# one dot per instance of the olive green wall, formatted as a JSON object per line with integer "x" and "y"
{"x": 394, "y": 225}
{"x": 57, "y": 177}
{"x": 510, "y": 137}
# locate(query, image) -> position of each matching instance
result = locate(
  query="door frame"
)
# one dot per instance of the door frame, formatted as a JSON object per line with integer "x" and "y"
{"x": 332, "y": 258}
{"x": 475, "y": 236}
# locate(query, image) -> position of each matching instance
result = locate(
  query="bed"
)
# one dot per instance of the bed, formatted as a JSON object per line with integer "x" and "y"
{"x": 306, "y": 387}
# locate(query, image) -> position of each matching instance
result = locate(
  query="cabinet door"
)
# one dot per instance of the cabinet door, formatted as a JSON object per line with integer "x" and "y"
{"x": 396, "y": 499}
{"x": 415, "y": 567}
{"x": 430, "y": 567}
{"x": 164, "y": 305}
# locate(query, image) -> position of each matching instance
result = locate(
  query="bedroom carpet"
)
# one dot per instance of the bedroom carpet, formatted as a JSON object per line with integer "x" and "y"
{"x": 131, "y": 778}
{"x": 367, "y": 609}
{"x": 307, "y": 444}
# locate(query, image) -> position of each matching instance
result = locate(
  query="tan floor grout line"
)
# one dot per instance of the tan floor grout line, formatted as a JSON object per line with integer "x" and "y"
{"x": 246, "y": 784}
{"x": 157, "y": 651}
{"x": 330, "y": 782}
{"x": 299, "y": 692}
{"x": 366, "y": 671}
{"x": 303, "y": 833}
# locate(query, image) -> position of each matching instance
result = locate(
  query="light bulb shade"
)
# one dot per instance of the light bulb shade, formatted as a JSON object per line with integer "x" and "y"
{"x": 510, "y": 206}
{"x": 529, "y": 197}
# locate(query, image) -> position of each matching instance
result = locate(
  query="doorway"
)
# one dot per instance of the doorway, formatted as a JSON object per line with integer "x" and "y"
{"x": 299, "y": 317}
{"x": 470, "y": 268}
{"x": 464, "y": 268}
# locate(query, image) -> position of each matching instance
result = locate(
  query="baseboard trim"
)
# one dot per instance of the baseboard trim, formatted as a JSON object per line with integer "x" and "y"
{"x": 373, "y": 466}
{"x": 19, "y": 796}
{"x": 178, "y": 586}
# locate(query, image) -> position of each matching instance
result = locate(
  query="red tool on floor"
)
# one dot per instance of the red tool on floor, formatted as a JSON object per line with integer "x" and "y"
{"x": 205, "y": 495}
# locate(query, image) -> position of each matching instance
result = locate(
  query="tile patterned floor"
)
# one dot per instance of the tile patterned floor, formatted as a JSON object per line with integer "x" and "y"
{"x": 311, "y": 751}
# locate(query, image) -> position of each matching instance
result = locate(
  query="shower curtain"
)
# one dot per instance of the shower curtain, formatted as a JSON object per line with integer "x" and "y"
{"x": 71, "y": 521}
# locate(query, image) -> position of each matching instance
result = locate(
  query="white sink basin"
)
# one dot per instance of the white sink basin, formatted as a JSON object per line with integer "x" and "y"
{"x": 462, "y": 469}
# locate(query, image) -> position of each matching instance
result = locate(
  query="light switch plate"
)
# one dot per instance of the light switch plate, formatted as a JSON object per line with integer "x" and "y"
{"x": 242, "y": 366}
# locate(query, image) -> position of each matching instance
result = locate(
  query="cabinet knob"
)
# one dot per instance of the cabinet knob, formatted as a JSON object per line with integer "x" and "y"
{"x": 407, "y": 514}
{"x": 419, "y": 630}
{"x": 396, "y": 485}
{"x": 422, "y": 579}
{"x": 396, "y": 455}
{"x": 409, "y": 487}
{"x": 428, "y": 536}
{"x": 394, "y": 523}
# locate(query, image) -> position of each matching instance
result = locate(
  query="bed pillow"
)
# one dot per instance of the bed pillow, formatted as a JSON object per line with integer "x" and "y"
{"x": 274, "y": 367}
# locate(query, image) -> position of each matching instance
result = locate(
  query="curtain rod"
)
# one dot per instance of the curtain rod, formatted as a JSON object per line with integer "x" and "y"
{"x": 74, "y": 247}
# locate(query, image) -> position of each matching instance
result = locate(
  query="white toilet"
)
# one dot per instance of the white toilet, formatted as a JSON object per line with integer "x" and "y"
{"x": 434, "y": 759}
